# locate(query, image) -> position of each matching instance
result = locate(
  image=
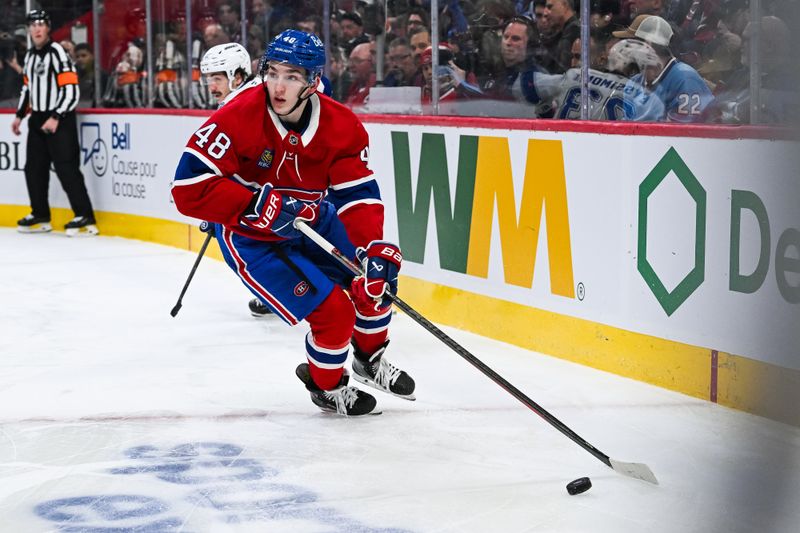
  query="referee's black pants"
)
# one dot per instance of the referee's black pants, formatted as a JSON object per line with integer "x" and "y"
{"x": 62, "y": 149}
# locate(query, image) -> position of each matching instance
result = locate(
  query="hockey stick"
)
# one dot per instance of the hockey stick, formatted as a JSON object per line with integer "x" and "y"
{"x": 634, "y": 470}
{"x": 179, "y": 303}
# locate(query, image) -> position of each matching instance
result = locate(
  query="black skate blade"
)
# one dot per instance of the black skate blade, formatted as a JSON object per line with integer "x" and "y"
{"x": 370, "y": 383}
{"x": 330, "y": 412}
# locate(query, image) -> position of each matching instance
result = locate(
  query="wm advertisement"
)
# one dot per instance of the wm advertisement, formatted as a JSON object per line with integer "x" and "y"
{"x": 692, "y": 240}
{"x": 687, "y": 239}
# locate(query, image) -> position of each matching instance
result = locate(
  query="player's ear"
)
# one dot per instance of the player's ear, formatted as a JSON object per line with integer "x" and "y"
{"x": 314, "y": 86}
{"x": 310, "y": 89}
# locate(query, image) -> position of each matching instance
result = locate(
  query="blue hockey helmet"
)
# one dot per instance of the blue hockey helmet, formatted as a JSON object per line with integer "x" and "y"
{"x": 298, "y": 48}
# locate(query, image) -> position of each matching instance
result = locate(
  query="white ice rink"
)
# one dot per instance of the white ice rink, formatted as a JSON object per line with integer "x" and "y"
{"x": 116, "y": 417}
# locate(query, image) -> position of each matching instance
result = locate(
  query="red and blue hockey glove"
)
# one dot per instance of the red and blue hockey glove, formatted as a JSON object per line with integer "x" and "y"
{"x": 271, "y": 211}
{"x": 381, "y": 264}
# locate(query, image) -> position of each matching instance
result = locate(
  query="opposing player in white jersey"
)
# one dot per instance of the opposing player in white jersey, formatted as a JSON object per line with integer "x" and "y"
{"x": 562, "y": 92}
{"x": 228, "y": 71}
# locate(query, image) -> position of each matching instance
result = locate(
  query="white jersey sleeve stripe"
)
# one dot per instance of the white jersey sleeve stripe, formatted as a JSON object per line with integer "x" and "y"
{"x": 348, "y": 184}
{"x": 204, "y": 159}
{"x": 347, "y": 206}
{"x": 192, "y": 181}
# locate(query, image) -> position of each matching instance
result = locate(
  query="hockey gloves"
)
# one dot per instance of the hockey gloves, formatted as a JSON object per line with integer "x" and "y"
{"x": 271, "y": 211}
{"x": 380, "y": 263}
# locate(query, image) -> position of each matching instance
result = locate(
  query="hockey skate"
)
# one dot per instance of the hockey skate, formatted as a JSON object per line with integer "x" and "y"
{"x": 258, "y": 308}
{"x": 374, "y": 370}
{"x": 32, "y": 224}
{"x": 345, "y": 400}
{"x": 81, "y": 226}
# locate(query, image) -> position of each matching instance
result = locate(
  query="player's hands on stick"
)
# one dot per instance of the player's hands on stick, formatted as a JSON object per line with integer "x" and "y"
{"x": 271, "y": 211}
{"x": 380, "y": 262}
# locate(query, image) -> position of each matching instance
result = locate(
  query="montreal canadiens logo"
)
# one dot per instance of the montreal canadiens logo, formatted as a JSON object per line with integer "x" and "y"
{"x": 301, "y": 288}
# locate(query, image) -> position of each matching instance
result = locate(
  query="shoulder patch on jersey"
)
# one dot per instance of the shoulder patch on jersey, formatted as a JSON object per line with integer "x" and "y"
{"x": 265, "y": 161}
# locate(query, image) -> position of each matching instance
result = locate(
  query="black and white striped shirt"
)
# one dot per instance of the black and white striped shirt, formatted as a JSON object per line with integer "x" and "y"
{"x": 50, "y": 81}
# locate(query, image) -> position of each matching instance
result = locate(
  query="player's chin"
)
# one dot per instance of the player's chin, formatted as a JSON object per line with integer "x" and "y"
{"x": 280, "y": 104}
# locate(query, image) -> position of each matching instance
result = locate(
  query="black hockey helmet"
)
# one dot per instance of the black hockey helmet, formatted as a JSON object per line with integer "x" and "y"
{"x": 36, "y": 15}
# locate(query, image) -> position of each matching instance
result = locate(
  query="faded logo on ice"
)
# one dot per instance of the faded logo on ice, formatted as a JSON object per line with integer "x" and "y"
{"x": 213, "y": 479}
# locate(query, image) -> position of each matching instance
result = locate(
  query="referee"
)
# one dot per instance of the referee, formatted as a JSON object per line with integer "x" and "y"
{"x": 50, "y": 91}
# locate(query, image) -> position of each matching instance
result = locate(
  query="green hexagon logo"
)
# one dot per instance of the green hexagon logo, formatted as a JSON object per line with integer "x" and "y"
{"x": 671, "y": 301}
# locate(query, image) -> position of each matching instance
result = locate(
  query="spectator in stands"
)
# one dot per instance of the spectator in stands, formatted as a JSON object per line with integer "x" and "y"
{"x": 403, "y": 70}
{"x": 229, "y": 17}
{"x": 487, "y": 32}
{"x": 669, "y": 90}
{"x": 564, "y": 29}
{"x": 544, "y": 34}
{"x": 645, "y": 7}
{"x": 260, "y": 14}
{"x": 337, "y": 73}
{"x": 542, "y": 22}
{"x": 311, "y": 24}
{"x": 255, "y": 41}
{"x": 362, "y": 73}
{"x": 453, "y": 21}
{"x": 454, "y": 82}
{"x": 69, "y": 47}
{"x": 336, "y": 30}
{"x": 515, "y": 57}
{"x": 780, "y": 80}
{"x": 415, "y": 18}
{"x": 170, "y": 65}
{"x": 215, "y": 34}
{"x": 352, "y": 31}
{"x": 84, "y": 64}
{"x": 126, "y": 85}
{"x": 603, "y": 14}
{"x": 198, "y": 92}
{"x": 722, "y": 59}
{"x": 419, "y": 39}
{"x": 598, "y": 57}
{"x": 658, "y": 8}
{"x": 10, "y": 71}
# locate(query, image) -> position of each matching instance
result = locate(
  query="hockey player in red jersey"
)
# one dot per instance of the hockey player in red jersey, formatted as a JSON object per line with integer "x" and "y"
{"x": 286, "y": 152}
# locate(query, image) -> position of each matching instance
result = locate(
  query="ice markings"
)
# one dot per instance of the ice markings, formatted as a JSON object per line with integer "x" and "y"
{"x": 108, "y": 514}
{"x": 230, "y": 488}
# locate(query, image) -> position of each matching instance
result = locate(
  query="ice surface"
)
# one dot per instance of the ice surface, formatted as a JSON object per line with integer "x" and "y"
{"x": 116, "y": 417}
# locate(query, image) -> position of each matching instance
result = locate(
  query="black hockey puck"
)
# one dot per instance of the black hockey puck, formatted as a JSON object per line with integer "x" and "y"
{"x": 582, "y": 484}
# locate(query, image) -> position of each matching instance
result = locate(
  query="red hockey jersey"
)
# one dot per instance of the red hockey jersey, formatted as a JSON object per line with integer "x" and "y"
{"x": 244, "y": 145}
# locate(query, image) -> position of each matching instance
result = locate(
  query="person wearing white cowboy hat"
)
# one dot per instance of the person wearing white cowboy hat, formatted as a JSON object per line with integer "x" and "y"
{"x": 668, "y": 90}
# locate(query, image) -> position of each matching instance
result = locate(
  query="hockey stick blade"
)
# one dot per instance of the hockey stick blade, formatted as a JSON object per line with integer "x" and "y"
{"x": 634, "y": 470}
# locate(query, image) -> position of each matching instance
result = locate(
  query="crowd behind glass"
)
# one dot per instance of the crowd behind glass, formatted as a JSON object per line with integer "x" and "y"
{"x": 702, "y": 61}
